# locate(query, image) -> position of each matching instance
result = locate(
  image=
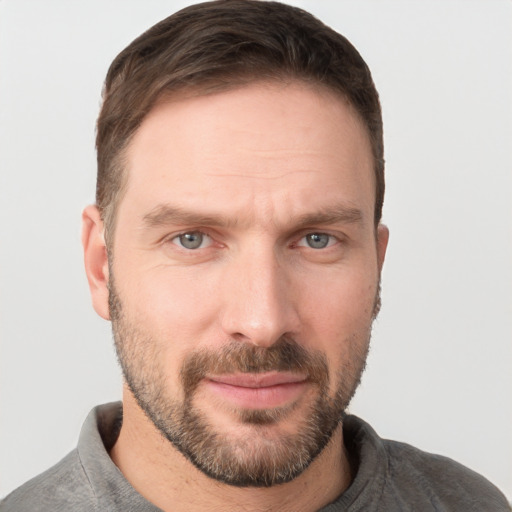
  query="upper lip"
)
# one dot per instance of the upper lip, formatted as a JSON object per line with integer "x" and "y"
{"x": 258, "y": 380}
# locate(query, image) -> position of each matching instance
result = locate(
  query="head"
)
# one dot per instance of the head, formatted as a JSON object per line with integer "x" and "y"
{"x": 236, "y": 244}
{"x": 217, "y": 46}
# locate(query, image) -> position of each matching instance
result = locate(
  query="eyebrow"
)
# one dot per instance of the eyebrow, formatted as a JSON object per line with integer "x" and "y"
{"x": 338, "y": 215}
{"x": 164, "y": 215}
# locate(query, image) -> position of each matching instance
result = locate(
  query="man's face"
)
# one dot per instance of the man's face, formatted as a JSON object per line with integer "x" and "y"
{"x": 244, "y": 277}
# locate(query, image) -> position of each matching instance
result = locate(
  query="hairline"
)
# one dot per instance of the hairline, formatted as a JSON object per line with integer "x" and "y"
{"x": 211, "y": 87}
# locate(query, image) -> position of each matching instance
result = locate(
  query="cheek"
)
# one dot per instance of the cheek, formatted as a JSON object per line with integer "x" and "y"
{"x": 340, "y": 312}
{"x": 340, "y": 327}
{"x": 171, "y": 304}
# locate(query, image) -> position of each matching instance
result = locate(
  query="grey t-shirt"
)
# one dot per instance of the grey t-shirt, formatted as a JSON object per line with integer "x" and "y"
{"x": 389, "y": 476}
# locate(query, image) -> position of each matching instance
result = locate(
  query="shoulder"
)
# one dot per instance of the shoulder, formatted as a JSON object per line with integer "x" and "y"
{"x": 443, "y": 481}
{"x": 62, "y": 487}
{"x": 397, "y": 476}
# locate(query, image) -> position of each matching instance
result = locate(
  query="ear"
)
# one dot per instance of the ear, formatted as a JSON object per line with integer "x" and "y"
{"x": 382, "y": 244}
{"x": 95, "y": 259}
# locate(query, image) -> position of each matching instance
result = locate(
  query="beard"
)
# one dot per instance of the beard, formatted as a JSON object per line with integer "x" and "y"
{"x": 259, "y": 454}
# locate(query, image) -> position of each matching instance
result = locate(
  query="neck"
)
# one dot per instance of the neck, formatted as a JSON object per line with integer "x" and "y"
{"x": 160, "y": 473}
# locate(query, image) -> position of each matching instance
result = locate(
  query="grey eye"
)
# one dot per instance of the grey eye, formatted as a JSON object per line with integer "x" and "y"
{"x": 192, "y": 240}
{"x": 317, "y": 240}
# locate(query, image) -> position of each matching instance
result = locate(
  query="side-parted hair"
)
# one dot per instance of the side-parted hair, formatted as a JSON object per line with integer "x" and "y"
{"x": 217, "y": 46}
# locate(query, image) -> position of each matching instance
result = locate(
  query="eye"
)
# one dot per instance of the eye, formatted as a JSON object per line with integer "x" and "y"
{"x": 317, "y": 240}
{"x": 192, "y": 240}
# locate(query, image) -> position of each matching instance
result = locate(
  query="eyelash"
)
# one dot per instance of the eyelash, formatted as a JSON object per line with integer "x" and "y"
{"x": 185, "y": 233}
{"x": 331, "y": 240}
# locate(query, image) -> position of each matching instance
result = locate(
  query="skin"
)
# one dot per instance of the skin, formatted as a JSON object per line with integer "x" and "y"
{"x": 262, "y": 165}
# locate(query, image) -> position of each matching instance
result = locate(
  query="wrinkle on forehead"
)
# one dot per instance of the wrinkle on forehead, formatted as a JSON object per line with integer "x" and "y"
{"x": 253, "y": 176}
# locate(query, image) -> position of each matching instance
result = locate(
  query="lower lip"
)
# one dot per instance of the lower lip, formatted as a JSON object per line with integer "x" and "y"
{"x": 267, "y": 397}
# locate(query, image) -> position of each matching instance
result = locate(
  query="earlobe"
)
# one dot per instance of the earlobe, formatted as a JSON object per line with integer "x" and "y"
{"x": 382, "y": 244}
{"x": 96, "y": 259}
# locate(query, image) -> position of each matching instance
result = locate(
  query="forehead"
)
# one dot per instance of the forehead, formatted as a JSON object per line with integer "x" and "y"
{"x": 262, "y": 145}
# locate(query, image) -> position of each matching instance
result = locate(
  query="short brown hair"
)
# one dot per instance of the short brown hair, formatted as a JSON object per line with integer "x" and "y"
{"x": 219, "y": 45}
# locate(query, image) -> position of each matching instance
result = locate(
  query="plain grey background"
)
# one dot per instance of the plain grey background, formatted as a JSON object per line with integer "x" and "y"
{"x": 439, "y": 374}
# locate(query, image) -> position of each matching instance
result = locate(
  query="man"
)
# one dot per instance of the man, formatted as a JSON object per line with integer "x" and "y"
{"x": 236, "y": 246}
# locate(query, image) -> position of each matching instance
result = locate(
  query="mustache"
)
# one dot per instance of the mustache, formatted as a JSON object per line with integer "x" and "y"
{"x": 286, "y": 355}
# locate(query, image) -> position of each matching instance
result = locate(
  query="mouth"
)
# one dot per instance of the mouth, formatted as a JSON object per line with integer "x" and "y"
{"x": 258, "y": 390}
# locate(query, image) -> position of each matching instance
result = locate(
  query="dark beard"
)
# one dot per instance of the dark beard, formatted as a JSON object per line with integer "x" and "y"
{"x": 259, "y": 458}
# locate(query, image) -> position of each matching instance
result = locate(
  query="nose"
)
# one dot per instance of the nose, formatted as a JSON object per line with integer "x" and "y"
{"x": 258, "y": 304}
